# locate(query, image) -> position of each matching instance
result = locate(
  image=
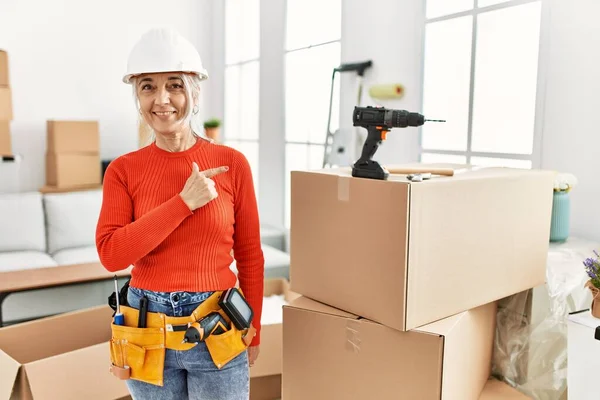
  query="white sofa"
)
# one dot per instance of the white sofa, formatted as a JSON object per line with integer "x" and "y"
{"x": 46, "y": 230}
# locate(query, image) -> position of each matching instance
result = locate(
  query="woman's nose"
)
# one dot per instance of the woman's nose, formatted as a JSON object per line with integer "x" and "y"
{"x": 162, "y": 96}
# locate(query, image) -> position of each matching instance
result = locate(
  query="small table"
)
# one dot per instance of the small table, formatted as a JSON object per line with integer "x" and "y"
{"x": 41, "y": 278}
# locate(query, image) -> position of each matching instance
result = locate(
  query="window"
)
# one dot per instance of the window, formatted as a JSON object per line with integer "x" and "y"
{"x": 242, "y": 79}
{"x": 312, "y": 52}
{"x": 480, "y": 75}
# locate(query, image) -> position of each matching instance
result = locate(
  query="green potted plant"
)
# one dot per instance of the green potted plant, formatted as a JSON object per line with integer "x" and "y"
{"x": 561, "y": 207}
{"x": 211, "y": 128}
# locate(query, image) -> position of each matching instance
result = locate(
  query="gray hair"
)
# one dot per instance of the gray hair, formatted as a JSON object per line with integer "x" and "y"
{"x": 191, "y": 83}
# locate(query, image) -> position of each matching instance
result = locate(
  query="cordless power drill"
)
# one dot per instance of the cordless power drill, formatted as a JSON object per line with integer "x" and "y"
{"x": 379, "y": 121}
{"x": 212, "y": 324}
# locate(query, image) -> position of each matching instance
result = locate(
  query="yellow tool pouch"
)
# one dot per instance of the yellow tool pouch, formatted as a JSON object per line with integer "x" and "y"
{"x": 226, "y": 346}
{"x": 139, "y": 353}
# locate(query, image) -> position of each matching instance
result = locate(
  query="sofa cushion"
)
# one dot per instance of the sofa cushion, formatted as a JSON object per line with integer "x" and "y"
{"x": 71, "y": 219}
{"x": 80, "y": 255}
{"x": 22, "y": 225}
{"x": 277, "y": 263}
{"x": 272, "y": 237}
{"x": 20, "y": 260}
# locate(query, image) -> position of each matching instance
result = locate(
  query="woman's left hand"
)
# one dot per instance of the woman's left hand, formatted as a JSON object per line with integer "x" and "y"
{"x": 253, "y": 354}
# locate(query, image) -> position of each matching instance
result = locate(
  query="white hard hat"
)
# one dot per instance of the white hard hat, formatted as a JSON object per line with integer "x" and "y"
{"x": 163, "y": 50}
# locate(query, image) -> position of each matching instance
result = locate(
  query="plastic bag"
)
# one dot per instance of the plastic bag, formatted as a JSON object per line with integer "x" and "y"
{"x": 530, "y": 347}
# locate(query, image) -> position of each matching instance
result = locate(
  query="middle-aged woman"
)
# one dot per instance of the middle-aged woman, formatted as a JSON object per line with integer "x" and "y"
{"x": 177, "y": 210}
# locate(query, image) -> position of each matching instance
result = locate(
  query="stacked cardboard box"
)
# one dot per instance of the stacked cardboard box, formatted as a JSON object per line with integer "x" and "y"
{"x": 73, "y": 155}
{"x": 6, "y": 114}
{"x": 400, "y": 280}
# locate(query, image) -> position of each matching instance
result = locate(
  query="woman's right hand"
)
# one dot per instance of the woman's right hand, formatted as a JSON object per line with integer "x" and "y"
{"x": 199, "y": 189}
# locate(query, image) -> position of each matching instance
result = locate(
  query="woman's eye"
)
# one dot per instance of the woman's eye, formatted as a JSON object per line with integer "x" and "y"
{"x": 146, "y": 87}
{"x": 177, "y": 86}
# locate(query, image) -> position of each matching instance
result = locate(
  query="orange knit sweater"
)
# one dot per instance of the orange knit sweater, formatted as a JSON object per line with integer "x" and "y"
{"x": 145, "y": 223}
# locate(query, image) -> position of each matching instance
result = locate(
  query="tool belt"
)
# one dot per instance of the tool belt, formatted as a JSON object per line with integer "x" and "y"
{"x": 139, "y": 353}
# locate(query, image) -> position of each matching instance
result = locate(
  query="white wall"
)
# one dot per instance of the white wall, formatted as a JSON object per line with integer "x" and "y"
{"x": 66, "y": 60}
{"x": 571, "y": 120}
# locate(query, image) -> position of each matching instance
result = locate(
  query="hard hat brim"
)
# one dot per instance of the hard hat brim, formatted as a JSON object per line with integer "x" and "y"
{"x": 203, "y": 75}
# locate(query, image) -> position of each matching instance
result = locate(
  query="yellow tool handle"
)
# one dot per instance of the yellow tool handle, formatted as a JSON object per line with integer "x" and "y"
{"x": 416, "y": 170}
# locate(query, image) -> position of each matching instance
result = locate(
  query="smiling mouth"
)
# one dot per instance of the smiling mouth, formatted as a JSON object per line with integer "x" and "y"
{"x": 163, "y": 113}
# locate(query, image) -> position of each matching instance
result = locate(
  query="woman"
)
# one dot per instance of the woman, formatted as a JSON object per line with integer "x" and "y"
{"x": 177, "y": 210}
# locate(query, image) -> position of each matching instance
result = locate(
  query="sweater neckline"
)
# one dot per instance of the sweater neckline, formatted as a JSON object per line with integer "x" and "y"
{"x": 199, "y": 143}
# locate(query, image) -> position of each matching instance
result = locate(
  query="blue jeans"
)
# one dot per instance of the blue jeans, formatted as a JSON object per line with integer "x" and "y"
{"x": 189, "y": 374}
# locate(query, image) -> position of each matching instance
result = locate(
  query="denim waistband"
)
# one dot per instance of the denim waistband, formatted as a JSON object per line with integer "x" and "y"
{"x": 181, "y": 298}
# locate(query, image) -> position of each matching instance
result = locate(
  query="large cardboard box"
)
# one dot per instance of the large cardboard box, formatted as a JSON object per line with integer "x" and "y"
{"x": 406, "y": 254}
{"x": 6, "y": 109}
{"x": 5, "y": 139}
{"x": 73, "y": 136}
{"x": 4, "y": 76}
{"x": 73, "y": 169}
{"x": 63, "y": 357}
{"x": 332, "y": 354}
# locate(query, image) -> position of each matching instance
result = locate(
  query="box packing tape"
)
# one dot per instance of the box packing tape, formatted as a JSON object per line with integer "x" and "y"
{"x": 343, "y": 188}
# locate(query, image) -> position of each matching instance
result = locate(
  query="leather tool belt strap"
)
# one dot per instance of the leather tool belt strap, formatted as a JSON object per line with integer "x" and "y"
{"x": 139, "y": 353}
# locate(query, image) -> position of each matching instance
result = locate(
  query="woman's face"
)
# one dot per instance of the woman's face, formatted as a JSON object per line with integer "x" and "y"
{"x": 163, "y": 101}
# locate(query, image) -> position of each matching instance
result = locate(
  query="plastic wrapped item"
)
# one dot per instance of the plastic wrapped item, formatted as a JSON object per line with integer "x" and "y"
{"x": 530, "y": 348}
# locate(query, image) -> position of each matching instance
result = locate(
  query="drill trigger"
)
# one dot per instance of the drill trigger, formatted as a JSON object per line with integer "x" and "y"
{"x": 383, "y": 132}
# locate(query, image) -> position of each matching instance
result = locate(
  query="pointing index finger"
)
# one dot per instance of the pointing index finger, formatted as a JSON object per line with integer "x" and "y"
{"x": 209, "y": 173}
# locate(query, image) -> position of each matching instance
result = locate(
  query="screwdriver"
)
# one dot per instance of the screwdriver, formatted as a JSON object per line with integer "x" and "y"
{"x": 119, "y": 318}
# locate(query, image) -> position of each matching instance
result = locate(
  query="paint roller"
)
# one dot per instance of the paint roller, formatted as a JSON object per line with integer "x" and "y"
{"x": 386, "y": 91}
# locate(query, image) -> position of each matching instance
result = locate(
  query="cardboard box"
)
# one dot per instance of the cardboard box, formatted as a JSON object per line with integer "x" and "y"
{"x": 497, "y": 390}
{"x": 73, "y": 137}
{"x": 406, "y": 254}
{"x": 583, "y": 355}
{"x": 332, "y": 354}
{"x": 73, "y": 169}
{"x": 62, "y": 357}
{"x": 6, "y": 110}
{"x": 4, "y": 81}
{"x": 5, "y": 139}
{"x": 265, "y": 387}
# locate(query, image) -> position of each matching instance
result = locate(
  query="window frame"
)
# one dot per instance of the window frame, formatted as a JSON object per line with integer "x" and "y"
{"x": 228, "y": 140}
{"x": 535, "y": 157}
{"x": 308, "y": 143}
